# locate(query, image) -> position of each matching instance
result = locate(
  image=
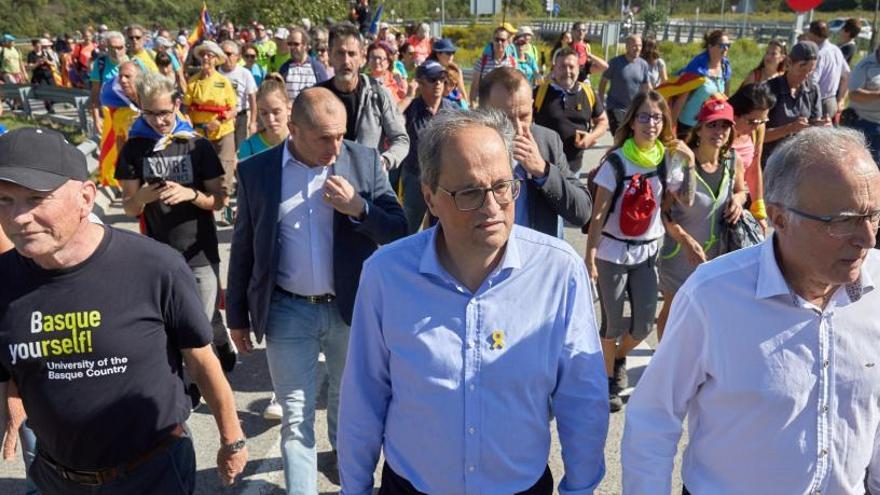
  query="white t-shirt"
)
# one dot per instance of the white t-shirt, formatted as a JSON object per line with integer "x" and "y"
{"x": 243, "y": 82}
{"x": 620, "y": 252}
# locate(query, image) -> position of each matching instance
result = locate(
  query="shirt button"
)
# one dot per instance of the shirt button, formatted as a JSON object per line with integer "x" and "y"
{"x": 472, "y": 468}
{"x": 472, "y": 386}
{"x": 823, "y": 453}
{"x": 472, "y": 430}
{"x": 470, "y": 344}
{"x": 825, "y": 363}
{"x": 825, "y": 409}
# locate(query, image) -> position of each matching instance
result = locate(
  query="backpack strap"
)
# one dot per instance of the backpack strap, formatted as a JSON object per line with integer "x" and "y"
{"x": 591, "y": 95}
{"x": 620, "y": 175}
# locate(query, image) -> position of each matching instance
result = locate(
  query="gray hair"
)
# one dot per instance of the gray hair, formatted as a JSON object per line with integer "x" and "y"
{"x": 814, "y": 146}
{"x": 304, "y": 35}
{"x": 152, "y": 85}
{"x": 230, "y": 44}
{"x": 114, "y": 35}
{"x": 447, "y": 124}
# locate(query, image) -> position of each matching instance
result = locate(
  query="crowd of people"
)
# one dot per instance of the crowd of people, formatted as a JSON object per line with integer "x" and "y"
{"x": 475, "y": 319}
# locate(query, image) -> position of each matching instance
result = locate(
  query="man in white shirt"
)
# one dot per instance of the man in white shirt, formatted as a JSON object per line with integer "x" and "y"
{"x": 245, "y": 91}
{"x": 771, "y": 351}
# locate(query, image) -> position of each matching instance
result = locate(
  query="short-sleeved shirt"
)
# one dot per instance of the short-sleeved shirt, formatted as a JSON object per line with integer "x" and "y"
{"x": 487, "y": 63}
{"x": 253, "y": 145}
{"x": 788, "y": 108}
{"x": 243, "y": 82}
{"x": 184, "y": 226}
{"x": 210, "y": 93}
{"x": 713, "y": 85}
{"x": 627, "y": 79}
{"x": 619, "y": 252}
{"x": 566, "y": 113}
{"x": 299, "y": 77}
{"x": 147, "y": 60}
{"x": 95, "y": 349}
{"x": 830, "y": 66}
{"x": 866, "y": 75}
{"x": 848, "y": 50}
{"x": 259, "y": 73}
{"x": 655, "y": 71}
{"x": 266, "y": 49}
{"x": 11, "y": 58}
{"x": 104, "y": 69}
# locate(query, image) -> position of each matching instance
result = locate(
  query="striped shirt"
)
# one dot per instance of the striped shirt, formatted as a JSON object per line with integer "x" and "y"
{"x": 299, "y": 77}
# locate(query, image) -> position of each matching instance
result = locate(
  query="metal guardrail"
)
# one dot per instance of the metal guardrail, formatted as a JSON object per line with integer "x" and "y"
{"x": 25, "y": 96}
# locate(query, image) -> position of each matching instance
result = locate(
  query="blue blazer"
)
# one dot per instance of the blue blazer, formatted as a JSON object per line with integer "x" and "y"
{"x": 254, "y": 259}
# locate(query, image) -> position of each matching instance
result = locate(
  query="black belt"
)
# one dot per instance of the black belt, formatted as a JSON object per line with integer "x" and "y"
{"x": 632, "y": 242}
{"x": 102, "y": 476}
{"x": 320, "y": 299}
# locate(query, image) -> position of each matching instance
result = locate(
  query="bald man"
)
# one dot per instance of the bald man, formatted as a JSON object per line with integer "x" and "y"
{"x": 310, "y": 211}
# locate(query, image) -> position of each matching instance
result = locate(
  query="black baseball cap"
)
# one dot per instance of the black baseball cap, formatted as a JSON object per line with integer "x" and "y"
{"x": 40, "y": 159}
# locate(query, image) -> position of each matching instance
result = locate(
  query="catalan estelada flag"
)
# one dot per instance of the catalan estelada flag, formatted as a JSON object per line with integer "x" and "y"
{"x": 118, "y": 113}
{"x": 691, "y": 77}
{"x": 204, "y": 26}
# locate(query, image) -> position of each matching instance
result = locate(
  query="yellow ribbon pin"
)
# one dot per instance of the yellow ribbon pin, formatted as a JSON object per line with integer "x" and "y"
{"x": 498, "y": 339}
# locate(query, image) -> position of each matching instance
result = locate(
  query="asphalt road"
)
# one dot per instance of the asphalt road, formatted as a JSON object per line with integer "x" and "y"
{"x": 250, "y": 381}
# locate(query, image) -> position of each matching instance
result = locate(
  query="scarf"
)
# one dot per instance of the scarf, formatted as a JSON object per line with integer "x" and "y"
{"x": 182, "y": 130}
{"x": 648, "y": 158}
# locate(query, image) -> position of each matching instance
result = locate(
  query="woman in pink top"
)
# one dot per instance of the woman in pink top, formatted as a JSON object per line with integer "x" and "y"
{"x": 421, "y": 43}
{"x": 751, "y": 104}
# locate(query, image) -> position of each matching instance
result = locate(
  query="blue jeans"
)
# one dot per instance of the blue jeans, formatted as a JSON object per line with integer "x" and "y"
{"x": 28, "y": 442}
{"x": 296, "y": 331}
{"x": 171, "y": 472}
{"x": 872, "y": 135}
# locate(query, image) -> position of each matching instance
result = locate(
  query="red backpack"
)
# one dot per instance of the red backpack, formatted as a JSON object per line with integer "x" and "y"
{"x": 638, "y": 204}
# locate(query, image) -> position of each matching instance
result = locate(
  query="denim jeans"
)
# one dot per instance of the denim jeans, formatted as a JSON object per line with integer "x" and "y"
{"x": 208, "y": 283}
{"x": 296, "y": 331}
{"x": 28, "y": 443}
{"x": 171, "y": 472}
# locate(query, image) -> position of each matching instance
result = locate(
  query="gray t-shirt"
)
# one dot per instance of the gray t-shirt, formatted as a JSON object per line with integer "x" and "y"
{"x": 243, "y": 82}
{"x": 626, "y": 80}
{"x": 866, "y": 75}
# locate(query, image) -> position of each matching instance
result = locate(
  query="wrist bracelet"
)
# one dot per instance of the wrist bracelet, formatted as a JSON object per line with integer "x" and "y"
{"x": 195, "y": 197}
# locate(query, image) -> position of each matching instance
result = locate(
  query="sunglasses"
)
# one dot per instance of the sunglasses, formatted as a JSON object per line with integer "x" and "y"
{"x": 434, "y": 80}
{"x": 723, "y": 46}
{"x": 135, "y": 37}
{"x": 230, "y": 54}
{"x": 757, "y": 122}
{"x": 250, "y": 55}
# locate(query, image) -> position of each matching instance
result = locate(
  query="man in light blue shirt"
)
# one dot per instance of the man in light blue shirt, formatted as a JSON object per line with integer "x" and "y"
{"x": 469, "y": 337}
{"x": 771, "y": 351}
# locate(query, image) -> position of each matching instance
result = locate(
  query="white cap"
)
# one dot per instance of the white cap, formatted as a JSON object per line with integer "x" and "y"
{"x": 281, "y": 33}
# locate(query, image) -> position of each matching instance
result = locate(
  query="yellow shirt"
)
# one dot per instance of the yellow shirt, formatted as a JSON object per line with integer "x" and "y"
{"x": 147, "y": 60}
{"x": 213, "y": 94}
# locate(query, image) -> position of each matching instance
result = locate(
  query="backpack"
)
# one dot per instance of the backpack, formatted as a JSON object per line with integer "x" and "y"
{"x": 541, "y": 95}
{"x": 637, "y": 207}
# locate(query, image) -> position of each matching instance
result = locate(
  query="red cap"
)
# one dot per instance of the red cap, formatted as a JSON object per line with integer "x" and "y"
{"x": 715, "y": 109}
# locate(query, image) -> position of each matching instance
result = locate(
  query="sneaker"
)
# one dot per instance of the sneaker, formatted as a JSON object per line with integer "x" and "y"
{"x": 227, "y": 357}
{"x": 227, "y": 217}
{"x": 621, "y": 380}
{"x": 273, "y": 410}
{"x": 615, "y": 403}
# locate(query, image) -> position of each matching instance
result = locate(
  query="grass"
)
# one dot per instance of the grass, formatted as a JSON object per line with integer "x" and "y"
{"x": 72, "y": 133}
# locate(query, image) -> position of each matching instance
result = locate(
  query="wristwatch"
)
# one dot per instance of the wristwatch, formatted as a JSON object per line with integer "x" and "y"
{"x": 236, "y": 446}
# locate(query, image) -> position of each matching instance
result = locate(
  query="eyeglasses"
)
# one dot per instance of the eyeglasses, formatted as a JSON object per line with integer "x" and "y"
{"x": 647, "y": 118}
{"x": 378, "y": 59}
{"x": 501, "y": 40}
{"x": 250, "y": 55}
{"x": 757, "y": 122}
{"x": 230, "y": 54}
{"x": 473, "y": 198}
{"x": 320, "y": 50}
{"x": 843, "y": 225}
{"x": 719, "y": 124}
{"x": 157, "y": 114}
{"x": 135, "y": 37}
{"x": 723, "y": 46}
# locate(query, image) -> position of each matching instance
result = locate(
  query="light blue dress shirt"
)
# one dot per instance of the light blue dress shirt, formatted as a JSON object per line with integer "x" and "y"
{"x": 456, "y": 410}
{"x": 781, "y": 397}
{"x": 305, "y": 230}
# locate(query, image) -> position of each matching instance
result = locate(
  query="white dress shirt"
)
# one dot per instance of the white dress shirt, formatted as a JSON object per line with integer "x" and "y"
{"x": 781, "y": 396}
{"x": 305, "y": 231}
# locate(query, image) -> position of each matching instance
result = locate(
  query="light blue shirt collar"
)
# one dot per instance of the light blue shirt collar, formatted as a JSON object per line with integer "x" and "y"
{"x": 430, "y": 261}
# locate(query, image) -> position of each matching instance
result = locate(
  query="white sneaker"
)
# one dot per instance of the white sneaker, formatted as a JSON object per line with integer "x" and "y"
{"x": 273, "y": 410}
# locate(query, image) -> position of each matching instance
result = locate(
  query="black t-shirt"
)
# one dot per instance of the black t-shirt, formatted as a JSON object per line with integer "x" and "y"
{"x": 95, "y": 348}
{"x": 350, "y": 101}
{"x": 848, "y": 50}
{"x": 566, "y": 113}
{"x": 189, "y": 162}
{"x": 42, "y": 73}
